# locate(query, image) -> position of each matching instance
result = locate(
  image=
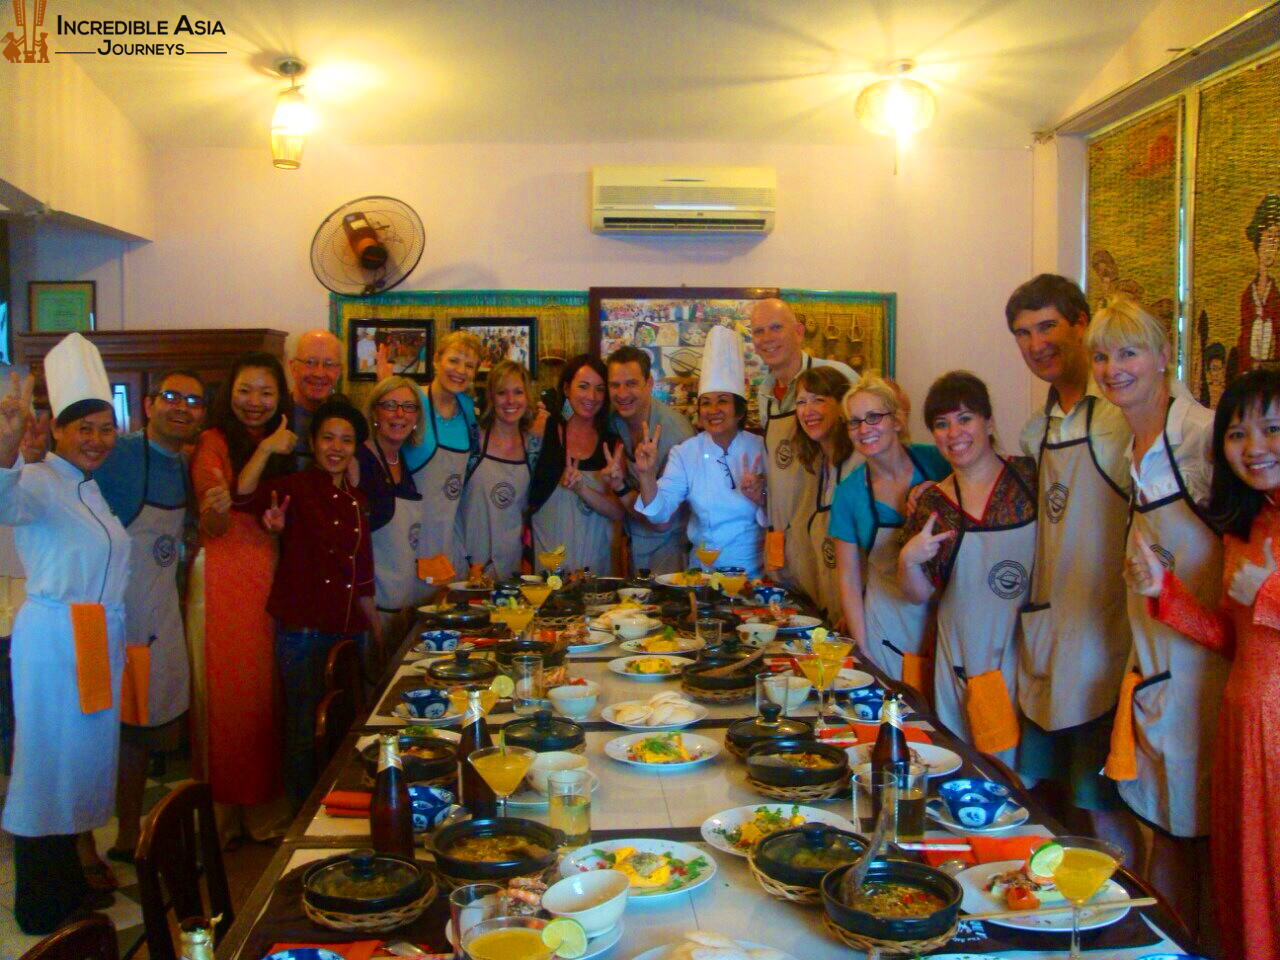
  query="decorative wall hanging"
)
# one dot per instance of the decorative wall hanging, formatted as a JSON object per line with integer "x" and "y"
{"x": 407, "y": 345}
{"x": 61, "y": 306}
{"x": 503, "y": 338}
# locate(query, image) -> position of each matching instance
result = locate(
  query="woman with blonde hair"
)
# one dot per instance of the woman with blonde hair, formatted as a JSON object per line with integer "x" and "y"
{"x": 867, "y": 515}
{"x": 394, "y": 411}
{"x": 497, "y": 489}
{"x": 1163, "y": 737}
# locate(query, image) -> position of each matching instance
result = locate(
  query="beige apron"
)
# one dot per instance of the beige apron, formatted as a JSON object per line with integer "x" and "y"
{"x": 1175, "y": 705}
{"x": 567, "y": 520}
{"x": 789, "y": 486}
{"x": 978, "y": 614}
{"x": 492, "y": 516}
{"x": 821, "y": 578}
{"x": 894, "y": 625}
{"x": 395, "y": 559}
{"x": 440, "y": 482}
{"x": 1075, "y": 626}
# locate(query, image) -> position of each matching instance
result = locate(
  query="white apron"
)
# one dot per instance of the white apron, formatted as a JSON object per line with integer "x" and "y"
{"x": 822, "y": 578}
{"x": 493, "y": 507}
{"x": 978, "y": 614}
{"x": 440, "y": 482}
{"x": 894, "y": 625}
{"x": 1175, "y": 705}
{"x": 1075, "y": 623}
{"x": 153, "y": 614}
{"x": 395, "y": 556}
{"x": 788, "y": 485}
{"x": 566, "y": 520}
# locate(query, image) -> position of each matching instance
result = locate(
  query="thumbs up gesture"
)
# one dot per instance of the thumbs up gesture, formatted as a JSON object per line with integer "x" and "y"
{"x": 217, "y": 498}
{"x": 1143, "y": 571}
{"x": 1249, "y": 577}
{"x": 924, "y": 546}
{"x": 282, "y": 441}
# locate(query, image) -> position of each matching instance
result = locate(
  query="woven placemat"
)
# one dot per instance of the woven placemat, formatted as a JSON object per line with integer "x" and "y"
{"x": 808, "y": 896}
{"x": 806, "y": 794}
{"x": 892, "y": 948}
{"x": 372, "y": 922}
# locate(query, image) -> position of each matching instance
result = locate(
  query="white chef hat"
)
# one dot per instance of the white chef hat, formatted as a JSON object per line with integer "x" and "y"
{"x": 722, "y": 368}
{"x": 74, "y": 372}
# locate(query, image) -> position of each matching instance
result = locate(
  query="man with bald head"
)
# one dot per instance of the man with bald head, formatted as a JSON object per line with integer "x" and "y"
{"x": 778, "y": 338}
{"x": 316, "y": 366}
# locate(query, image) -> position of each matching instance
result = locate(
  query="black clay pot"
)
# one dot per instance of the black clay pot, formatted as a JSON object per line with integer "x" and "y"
{"x": 906, "y": 928}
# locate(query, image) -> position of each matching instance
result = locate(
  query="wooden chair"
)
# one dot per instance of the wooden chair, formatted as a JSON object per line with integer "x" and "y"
{"x": 334, "y": 719}
{"x": 343, "y": 670}
{"x": 93, "y": 938}
{"x": 178, "y": 848}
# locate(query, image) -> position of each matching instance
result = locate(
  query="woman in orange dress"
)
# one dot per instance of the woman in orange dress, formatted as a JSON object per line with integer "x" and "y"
{"x": 1244, "y": 501}
{"x": 236, "y": 703}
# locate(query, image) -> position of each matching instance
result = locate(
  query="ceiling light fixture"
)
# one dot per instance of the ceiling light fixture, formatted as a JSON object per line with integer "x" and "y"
{"x": 896, "y": 106}
{"x": 291, "y": 121}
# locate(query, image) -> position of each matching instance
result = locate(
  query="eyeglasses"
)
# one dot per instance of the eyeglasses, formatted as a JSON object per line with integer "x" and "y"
{"x": 193, "y": 400}
{"x": 871, "y": 419}
{"x": 724, "y": 462}
{"x": 390, "y": 406}
{"x": 311, "y": 363}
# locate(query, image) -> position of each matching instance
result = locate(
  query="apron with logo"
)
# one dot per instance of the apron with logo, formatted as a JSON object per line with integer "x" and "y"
{"x": 396, "y": 586}
{"x": 431, "y": 529}
{"x": 153, "y": 615}
{"x": 822, "y": 579}
{"x": 788, "y": 486}
{"x": 566, "y": 520}
{"x": 1075, "y": 625}
{"x": 978, "y": 614}
{"x": 895, "y": 626}
{"x": 492, "y": 515}
{"x": 1175, "y": 704}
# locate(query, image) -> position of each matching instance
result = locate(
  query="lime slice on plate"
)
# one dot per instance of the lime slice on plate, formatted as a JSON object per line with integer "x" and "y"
{"x": 566, "y": 937}
{"x": 1044, "y": 860}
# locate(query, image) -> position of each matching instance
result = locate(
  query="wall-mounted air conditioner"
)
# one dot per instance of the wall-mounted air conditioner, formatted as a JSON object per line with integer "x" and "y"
{"x": 674, "y": 199}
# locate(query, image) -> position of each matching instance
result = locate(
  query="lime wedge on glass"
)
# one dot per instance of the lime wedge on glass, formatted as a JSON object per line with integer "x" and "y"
{"x": 1044, "y": 860}
{"x": 566, "y": 937}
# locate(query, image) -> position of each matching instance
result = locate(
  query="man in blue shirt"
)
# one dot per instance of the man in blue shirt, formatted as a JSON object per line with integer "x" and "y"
{"x": 144, "y": 481}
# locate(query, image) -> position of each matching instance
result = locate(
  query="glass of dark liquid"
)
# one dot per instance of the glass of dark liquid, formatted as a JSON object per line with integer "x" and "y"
{"x": 904, "y": 788}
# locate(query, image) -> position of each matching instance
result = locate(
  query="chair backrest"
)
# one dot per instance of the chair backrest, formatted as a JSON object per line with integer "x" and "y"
{"x": 93, "y": 938}
{"x": 334, "y": 719}
{"x": 179, "y": 847}
{"x": 344, "y": 671}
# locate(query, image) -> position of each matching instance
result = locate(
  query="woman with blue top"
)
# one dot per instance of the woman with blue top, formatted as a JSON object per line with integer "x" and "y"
{"x": 718, "y": 471}
{"x": 867, "y": 516}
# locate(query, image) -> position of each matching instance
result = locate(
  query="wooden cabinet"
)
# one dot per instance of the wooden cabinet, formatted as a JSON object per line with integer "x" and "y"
{"x": 136, "y": 358}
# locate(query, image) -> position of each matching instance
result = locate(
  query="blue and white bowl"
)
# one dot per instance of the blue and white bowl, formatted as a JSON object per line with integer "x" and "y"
{"x": 439, "y": 641}
{"x": 863, "y": 703}
{"x": 426, "y": 703}
{"x": 767, "y": 593}
{"x": 974, "y": 803}
{"x": 505, "y": 591}
{"x": 429, "y": 805}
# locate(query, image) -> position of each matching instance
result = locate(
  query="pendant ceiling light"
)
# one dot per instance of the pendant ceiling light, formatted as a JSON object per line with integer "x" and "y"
{"x": 897, "y": 106}
{"x": 290, "y": 123}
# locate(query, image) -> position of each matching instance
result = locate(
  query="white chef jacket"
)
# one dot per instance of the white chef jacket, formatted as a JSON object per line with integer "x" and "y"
{"x": 720, "y": 514}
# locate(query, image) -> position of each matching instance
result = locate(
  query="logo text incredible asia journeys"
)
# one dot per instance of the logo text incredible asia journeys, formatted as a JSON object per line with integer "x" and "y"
{"x": 29, "y": 43}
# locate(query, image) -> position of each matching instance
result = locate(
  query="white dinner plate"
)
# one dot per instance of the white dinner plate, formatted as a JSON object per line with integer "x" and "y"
{"x": 530, "y": 799}
{"x": 594, "y": 856}
{"x": 610, "y": 715}
{"x": 1011, "y": 816}
{"x": 683, "y": 645}
{"x": 596, "y": 946}
{"x": 701, "y": 749}
{"x": 977, "y": 900}
{"x": 464, "y": 587}
{"x": 619, "y": 667}
{"x": 715, "y": 827}
{"x": 798, "y": 623}
{"x": 599, "y": 640}
{"x": 939, "y": 760}
{"x": 669, "y": 580}
{"x": 664, "y": 953}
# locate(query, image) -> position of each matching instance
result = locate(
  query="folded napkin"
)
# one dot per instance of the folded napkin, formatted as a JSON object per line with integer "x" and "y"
{"x": 986, "y": 850}
{"x": 359, "y": 950}
{"x": 867, "y": 733}
{"x": 347, "y": 803}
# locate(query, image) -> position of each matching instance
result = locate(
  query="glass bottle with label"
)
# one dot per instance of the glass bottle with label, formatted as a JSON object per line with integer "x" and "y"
{"x": 473, "y": 793}
{"x": 390, "y": 814}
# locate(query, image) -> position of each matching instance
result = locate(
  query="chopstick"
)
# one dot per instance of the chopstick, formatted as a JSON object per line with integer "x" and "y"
{"x": 933, "y": 846}
{"x": 1105, "y": 905}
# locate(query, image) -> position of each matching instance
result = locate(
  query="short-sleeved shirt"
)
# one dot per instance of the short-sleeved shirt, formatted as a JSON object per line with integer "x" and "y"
{"x": 1109, "y": 435}
{"x": 137, "y": 471}
{"x": 1012, "y": 503}
{"x": 675, "y": 430}
{"x": 1189, "y": 429}
{"x": 768, "y": 404}
{"x": 855, "y": 516}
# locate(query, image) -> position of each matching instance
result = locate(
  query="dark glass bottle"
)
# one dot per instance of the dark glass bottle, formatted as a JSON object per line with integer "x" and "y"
{"x": 473, "y": 793}
{"x": 890, "y": 754}
{"x": 390, "y": 815}
{"x": 195, "y": 939}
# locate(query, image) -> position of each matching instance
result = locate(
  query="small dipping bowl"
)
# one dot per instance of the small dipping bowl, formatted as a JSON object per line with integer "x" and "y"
{"x": 633, "y": 626}
{"x": 428, "y": 805}
{"x": 575, "y": 701}
{"x": 596, "y": 899}
{"x": 864, "y": 703}
{"x": 757, "y": 633}
{"x": 438, "y": 641}
{"x": 974, "y": 803}
{"x": 426, "y": 703}
{"x": 766, "y": 594}
{"x": 545, "y": 764}
{"x": 635, "y": 594}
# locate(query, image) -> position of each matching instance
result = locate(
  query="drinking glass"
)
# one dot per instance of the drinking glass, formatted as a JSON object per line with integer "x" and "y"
{"x": 530, "y": 690}
{"x": 732, "y": 580}
{"x": 569, "y": 805}
{"x": 551, "y": 560}
{"x": 787, "y": 691}
{"x": 502, "y": 769}
{"x": 706, "y": 556}
{"x": 1086, "y": 866}
{"x": 472, "y": 904}
{"x": 708, "y": 631}
{"x": 503, "y": 938}
{"x": 904, "y": 793}
{"x": 535, "y": 594}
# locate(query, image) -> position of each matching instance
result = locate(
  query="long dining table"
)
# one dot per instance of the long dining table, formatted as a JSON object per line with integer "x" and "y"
{"x": 640, "y": 803}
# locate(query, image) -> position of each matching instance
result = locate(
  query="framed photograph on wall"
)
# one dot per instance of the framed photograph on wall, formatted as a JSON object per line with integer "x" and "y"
{"x": 61, "y": 306}
{"x": 503, "y": 338}
{"x": 406, "y": 344}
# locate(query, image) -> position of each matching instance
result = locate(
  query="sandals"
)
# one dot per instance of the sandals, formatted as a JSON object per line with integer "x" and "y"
{"x": 100, "y": 877}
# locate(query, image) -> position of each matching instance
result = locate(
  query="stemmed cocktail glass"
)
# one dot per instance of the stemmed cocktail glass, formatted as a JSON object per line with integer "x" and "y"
{"x": 1080, "y": 867}
{"x": 502, "y": 768}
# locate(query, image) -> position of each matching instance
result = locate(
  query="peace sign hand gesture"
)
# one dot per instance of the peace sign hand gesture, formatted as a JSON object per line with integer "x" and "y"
{"x": 615, "y": 470}
{"x": 1143, "y": 571}
{"x": 1249, "y": 577}
{"x": 753, "y": 482}
{"x": 273, "y": 516}
{"x": 15, "y": 415}
{"x": 647, "y": 450}
{"x": 572, "y": 478}
{"x": 924, "y": 546}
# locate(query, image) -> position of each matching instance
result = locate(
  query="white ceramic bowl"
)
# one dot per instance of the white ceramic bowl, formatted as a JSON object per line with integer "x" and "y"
{"x": 545, "y": 764}
{"x": 575, "y": 700}
{"x": 633, "y": 626}
{"x": 635, "y": 594}
{"x": 596, "y": 899}
{"x": 787, "y": 692}
{"x": 758, "y": 631}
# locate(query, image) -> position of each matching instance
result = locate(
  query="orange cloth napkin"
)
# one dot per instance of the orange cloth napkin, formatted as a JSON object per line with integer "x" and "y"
{"x": 917, "y": 673}
{"x": 347, "y": 803}
{"x": 93, "y": 666}
{"x": 359, "y": 950}
{"x": 992, "y": 721}
{"x": 775, "y": 551}
{"x": 135, "y": 685}
{"x": 436, "y": 569}
{"x": 1122, "y": 761}
{"x": 986, "y": 850}
{"x": 866, "y": 733}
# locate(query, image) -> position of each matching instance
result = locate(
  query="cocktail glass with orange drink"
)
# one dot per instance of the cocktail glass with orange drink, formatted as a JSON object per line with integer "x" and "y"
{"x": 1079, "y": 867}
{"x": 707, "y": 556}
{"x": 502, "y": 768}
{"x": 551, "y": 560}
{"x": 732, "y": 580}
{"x": 516, "y": 617}
{"x": 535, "y": 593}
{"x": 825, "y": 661}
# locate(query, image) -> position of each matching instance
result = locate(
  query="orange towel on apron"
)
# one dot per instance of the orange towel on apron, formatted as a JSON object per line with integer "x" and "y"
{"x": 775, "y": 550}
{"x": 93, "y": 666}
{"x": 435, "y": 569}
{"x": 992, "y": 720}
{"x": 1122, "y": 761}
{"x": 135, "y": 686}
{"x": 917, "y": 673}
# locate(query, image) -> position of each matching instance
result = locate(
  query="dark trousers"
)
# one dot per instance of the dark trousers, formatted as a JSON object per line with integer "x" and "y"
{"x": 49, "y": 882}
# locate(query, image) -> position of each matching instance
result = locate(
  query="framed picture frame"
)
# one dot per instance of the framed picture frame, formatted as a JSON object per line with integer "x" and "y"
{"x": 503, "y": 338}
{"x": 408, "y": 345}
{"x": 61, "y": 306}
{"x": 671, "y": 325}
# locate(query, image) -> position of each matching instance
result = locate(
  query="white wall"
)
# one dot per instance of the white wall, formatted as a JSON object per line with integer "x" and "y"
{"x": 950, "y": 234}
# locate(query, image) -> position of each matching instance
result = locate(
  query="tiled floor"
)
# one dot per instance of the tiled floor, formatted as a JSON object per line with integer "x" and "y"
{"x": 243, "y": 866}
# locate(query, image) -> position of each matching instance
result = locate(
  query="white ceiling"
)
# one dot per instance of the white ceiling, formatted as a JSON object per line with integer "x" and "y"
{"x": 433, "y": 71}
